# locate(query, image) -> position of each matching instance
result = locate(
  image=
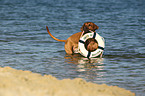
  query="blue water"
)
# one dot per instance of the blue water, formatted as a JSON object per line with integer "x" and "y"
{"x": 25, "y": 44}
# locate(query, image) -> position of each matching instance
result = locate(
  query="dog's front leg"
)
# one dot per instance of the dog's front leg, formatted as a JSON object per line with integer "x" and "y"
{"x": 75, "y": 49}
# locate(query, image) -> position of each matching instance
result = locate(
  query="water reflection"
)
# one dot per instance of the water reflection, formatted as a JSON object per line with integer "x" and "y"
{"x": 88, "y": 69}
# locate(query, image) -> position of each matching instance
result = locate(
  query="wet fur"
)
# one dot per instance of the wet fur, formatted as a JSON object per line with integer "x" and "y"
{"x": 71, "y": 43}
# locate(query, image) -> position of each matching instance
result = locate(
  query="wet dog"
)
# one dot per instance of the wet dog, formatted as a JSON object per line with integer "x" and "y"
{"x": 71, "y": 44}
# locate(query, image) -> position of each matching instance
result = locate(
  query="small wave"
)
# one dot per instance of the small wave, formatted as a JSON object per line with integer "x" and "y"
{"x": 125, "y": 56}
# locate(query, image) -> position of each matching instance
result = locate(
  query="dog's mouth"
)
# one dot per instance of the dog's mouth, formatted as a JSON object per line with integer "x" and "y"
{"x": 89, "y": 31}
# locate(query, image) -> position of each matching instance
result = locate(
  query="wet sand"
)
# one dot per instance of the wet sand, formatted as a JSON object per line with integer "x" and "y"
{"x": 25, "y": 83}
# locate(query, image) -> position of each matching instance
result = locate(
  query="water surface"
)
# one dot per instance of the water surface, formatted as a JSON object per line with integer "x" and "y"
{"x": 25, "y": 44}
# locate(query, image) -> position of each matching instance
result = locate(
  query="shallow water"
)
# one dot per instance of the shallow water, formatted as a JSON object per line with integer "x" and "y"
{"x": 25, "y": 44}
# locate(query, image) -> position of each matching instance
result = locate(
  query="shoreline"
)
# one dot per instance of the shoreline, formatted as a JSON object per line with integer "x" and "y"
{"x": 25, "y": 83}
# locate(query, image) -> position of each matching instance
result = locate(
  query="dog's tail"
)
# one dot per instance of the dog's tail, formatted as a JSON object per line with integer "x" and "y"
{"x": 53, "y": 36}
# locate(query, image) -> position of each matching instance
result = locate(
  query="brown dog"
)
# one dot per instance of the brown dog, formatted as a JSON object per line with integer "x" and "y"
{"x": 71, "y": 44}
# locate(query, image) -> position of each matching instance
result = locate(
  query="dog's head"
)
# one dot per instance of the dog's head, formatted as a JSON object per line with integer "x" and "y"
{"x": 89, "y": 26}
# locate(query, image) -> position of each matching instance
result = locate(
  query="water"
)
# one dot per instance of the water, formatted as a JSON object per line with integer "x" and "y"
{"x": 25, "y": 44}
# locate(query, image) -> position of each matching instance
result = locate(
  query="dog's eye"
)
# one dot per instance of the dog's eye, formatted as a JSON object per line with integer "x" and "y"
{"x": 89, "y": 24}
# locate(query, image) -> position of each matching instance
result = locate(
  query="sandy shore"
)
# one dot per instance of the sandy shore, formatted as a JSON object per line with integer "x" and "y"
{"x": 25, "y": 83}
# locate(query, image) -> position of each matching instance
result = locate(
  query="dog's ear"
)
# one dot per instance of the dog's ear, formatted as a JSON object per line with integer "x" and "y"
{"x": 82, "y": 28}
{"x": 95, "y": 27}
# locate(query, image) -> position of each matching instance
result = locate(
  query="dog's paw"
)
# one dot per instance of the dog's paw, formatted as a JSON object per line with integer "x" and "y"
{"x": 75, "y": 50}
